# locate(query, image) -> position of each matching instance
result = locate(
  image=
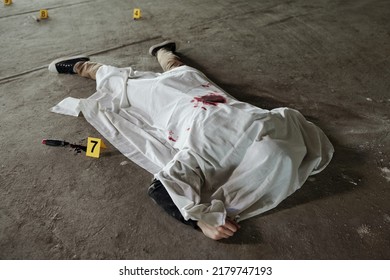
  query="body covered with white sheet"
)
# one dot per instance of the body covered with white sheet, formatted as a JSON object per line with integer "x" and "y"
{"x": 216, "y": 156}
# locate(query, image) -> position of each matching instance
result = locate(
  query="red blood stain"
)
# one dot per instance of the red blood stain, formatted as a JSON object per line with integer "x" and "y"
{"x": 170, "y": 137}
{"x": 210, "y": 99}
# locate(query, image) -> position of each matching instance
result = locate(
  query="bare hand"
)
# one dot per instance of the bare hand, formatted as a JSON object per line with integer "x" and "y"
{"x": 216, "y": 233}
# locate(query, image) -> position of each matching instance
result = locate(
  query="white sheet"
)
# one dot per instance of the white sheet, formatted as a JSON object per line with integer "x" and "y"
{"x": 216, "y": 156}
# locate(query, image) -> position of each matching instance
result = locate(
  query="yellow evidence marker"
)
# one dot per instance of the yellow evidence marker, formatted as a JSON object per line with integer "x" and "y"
{"x": 7, "y": 2}
{"x": 93, "y": 147}
{"x": 136, "y": 13}
{"x": 43, "y": 14}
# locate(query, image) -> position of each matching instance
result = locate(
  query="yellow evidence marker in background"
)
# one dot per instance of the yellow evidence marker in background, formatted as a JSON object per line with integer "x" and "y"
{"x": 43, "y": 14}
{"x": 93, "y": 147}
{"x": 136, "y": 13}
{"x": 7, "y": 2}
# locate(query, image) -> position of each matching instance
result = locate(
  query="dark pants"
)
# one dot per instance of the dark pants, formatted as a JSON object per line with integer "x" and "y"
{"x": 160, "y": 195}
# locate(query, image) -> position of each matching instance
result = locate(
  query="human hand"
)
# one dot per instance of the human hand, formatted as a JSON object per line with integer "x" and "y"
{"x": 216, "y": 233}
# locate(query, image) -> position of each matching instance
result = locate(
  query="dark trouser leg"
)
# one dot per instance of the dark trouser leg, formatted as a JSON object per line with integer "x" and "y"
{"x": 160, "y": 195}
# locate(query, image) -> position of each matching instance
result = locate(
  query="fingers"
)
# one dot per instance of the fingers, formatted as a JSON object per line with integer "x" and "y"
{"x": 228, "y": 229}
{"x": 231, "y": 225}
{"x": 216, "y": 233}
{"x": 234, "y": 223}
{"x": 224, "y": 232}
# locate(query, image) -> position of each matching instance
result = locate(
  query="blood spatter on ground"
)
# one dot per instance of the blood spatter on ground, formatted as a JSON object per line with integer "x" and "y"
{"x": 211, "y": 99}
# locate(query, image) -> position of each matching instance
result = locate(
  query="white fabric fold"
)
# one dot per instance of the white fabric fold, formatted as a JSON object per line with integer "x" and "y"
{"x": 69, "y": 106}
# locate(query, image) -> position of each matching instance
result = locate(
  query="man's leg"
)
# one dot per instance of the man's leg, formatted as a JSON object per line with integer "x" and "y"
{"x": 168, "y": 60}
{"x": 165, "y": 53}
{"x": 87, "y": 69}
{"x": 75, "y": 65}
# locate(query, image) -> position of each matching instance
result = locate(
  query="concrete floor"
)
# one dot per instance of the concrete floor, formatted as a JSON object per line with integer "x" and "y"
{"x": 327, "y": 58}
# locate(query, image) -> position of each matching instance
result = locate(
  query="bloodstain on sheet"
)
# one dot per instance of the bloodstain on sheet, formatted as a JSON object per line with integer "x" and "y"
{"x": 211, "y": 99}
{"x": 170, "y": 136}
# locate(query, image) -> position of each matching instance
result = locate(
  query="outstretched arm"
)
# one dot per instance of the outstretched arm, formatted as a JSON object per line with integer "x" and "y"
{"x": 216, "y": 233}
{"x": 160, "y": 195}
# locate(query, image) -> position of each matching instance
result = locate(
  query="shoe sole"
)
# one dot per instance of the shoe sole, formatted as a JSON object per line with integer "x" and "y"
{"x": 152, "y": 48}
{"x": 52, "y": 65}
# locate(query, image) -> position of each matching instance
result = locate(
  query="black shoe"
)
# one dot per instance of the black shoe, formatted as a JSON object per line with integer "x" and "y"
{"x": 168, "y": 45}
{"x": 65, "y": 65}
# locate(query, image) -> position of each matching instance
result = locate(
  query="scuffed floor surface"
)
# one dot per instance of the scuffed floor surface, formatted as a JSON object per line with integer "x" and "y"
{"x": 328, "y": 59}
